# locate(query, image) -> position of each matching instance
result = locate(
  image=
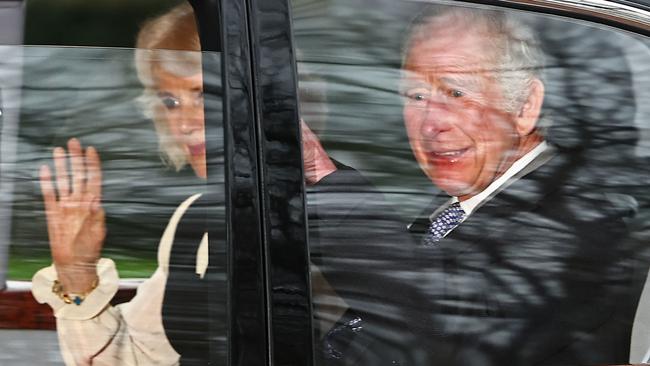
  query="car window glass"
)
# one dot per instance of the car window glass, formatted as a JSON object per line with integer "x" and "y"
{"x": 489, "y": 204}
{"x": 113, "y": 77}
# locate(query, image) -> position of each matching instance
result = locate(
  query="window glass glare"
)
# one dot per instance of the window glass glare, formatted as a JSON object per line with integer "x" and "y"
{"x": 488, "y": 202}
{"x": 104, "y": 183}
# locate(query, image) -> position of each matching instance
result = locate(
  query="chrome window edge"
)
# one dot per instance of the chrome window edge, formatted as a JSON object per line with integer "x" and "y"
{"x": 606, "y": 10}
{"x": 610, "y": 10}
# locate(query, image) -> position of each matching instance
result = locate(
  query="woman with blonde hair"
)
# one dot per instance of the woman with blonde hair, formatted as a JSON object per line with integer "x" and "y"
{"x": 79, "y": 285}
{"x": 168, "y": 63}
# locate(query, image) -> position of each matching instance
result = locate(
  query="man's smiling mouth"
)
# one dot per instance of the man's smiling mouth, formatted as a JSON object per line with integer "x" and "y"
{"x": 447, "y": 156}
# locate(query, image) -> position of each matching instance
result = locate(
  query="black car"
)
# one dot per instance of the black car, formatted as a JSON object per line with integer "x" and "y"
{"x": 312, "y": 148}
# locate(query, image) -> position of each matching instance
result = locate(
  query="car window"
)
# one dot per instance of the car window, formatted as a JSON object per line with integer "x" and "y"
{"x": 11, "y": 15}
{"x": 486, "y": 199}
{"x": 109, "y": 124}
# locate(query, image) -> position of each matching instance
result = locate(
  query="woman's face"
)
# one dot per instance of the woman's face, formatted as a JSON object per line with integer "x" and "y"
{"x": 182, "y": 99}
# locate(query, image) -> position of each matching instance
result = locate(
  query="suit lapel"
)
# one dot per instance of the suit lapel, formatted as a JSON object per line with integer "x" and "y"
{"x": 523, "y": 192}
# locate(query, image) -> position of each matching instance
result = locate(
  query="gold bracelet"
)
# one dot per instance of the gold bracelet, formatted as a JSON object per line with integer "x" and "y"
{"x": 77, "y": 299}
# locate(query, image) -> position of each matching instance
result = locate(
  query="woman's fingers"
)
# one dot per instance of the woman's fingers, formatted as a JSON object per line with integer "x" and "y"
{"x": 77, "y": 166}
{"x": 94, "y": 169}
{"x": 62, "y": 181}
{"x": 49, "y": 200}
{"x": 85, "y": 171}
{"x": 75, "y": 218}
{"x": 47, "y": 188}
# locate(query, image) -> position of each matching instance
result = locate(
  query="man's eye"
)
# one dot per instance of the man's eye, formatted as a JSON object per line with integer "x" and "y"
{"x": 416, "y": 96}
{"x": 456, "y": 93}
{"x": 170, "y": 103}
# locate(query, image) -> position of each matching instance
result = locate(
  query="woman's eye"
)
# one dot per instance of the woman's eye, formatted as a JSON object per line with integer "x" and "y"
{"x": 170, "y": 103}
{"x": 198, "y": 98}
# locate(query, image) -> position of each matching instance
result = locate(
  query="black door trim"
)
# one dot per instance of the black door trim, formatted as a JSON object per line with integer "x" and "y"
{"x": 223, "y": 26}
{"x": 283, "y": 191}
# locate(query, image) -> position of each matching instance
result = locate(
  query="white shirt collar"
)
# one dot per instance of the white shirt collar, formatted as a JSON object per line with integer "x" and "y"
{"x": 471, "y": 204}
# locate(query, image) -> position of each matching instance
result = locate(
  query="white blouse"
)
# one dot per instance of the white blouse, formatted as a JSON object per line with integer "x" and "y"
{"x": 132, "y": 333}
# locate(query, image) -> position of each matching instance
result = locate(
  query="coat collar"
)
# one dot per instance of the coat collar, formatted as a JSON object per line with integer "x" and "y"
{"x": 523, "y": 191}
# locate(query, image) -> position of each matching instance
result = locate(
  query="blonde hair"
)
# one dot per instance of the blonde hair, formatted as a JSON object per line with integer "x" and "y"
{"x": 169, "y": 42}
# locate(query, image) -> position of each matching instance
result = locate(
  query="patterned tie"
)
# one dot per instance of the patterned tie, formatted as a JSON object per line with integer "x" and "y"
{"x": 446, "y": 221}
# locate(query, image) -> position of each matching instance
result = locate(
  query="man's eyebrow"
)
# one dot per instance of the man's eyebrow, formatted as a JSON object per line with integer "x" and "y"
{"x": 410, "y": 75}
{"x": 409, "y": 83}
{"x": 462, "y": 79}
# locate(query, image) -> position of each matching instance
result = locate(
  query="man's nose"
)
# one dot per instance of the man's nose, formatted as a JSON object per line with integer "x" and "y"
{"x": 437, "y": 119}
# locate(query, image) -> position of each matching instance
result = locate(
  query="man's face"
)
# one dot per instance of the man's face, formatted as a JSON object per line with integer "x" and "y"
{"x": 459, "y": 132}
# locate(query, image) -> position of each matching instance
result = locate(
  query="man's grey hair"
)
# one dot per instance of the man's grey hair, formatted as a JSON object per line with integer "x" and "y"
{"x": 517, "y": 54}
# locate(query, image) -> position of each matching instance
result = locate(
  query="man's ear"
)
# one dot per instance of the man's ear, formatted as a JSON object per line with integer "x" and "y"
{"x": 528, "y": 115}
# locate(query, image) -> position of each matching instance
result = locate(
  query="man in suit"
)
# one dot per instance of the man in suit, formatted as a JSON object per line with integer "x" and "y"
{"x": 523, "y": 262}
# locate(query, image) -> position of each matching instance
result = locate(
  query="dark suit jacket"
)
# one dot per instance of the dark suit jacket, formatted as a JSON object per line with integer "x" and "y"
{"x": 544, "y": 273}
